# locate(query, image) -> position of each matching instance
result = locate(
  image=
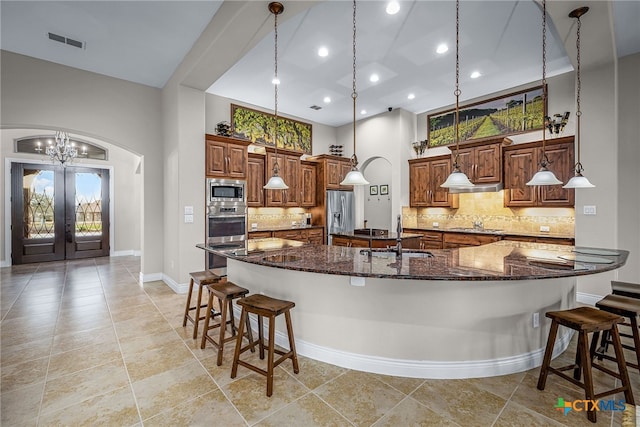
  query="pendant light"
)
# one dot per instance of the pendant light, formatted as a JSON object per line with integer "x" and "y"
{"x": 578, "y": 181}
{"x": 276, "y": 182}
{"x": 544, "y": 176}
{"x": 354, "y": 177}
{"x": 457, "y": 178}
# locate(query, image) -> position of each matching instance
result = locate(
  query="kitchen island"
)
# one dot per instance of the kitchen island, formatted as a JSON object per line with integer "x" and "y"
{"x": 450, "y": 313}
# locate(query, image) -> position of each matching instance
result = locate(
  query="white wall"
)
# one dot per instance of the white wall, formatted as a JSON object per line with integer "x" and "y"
{"x": 42, "y": 95}
{"x": 377, "y": 209}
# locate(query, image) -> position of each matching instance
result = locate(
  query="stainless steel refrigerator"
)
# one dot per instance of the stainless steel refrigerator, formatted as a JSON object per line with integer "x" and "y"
{"x": 340, "y": 212}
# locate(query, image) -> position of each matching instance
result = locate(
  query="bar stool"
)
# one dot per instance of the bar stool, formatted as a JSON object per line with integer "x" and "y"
{"x": 264, "y": 306}
{"x": 626, "y": 307}
{"x": 627, "y": 289}
{"x": 225, "y": 292}
{"x": 585, "y": 320}
{"x": 201, "y": 278}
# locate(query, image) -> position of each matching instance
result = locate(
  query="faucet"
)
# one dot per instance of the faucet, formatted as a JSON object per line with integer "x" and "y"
{"x": 398, "y": 247}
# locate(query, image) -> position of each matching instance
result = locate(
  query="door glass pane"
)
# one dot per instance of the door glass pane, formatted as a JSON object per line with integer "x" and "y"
{"x": 37, "y": 190}
{"x": 88, "y": 204}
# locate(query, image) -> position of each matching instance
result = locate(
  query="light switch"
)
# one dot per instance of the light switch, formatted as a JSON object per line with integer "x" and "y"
{"x": 188, "y": 219}
{"x": 188, "y": 210}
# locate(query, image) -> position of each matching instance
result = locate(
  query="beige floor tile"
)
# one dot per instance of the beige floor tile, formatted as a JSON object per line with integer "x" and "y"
{"x": 72, "y": 292}
{"x": 135, "y": 345}
{"x": 115, "y": 408}
{"x": 68, "y": 303}
{"x": 368, "y": 398}
{"x": 209, "y": 409}
{"x": 11, "y": 354}
{"x": 222, "y": 374}
{"x": 82, "y": 358}
{"x": 28, "y": 310}
{"x": 249, "y": 394}
{"x": 151, "y": 323}
{"x": 80, "y": 386}
{"x": 459, "y": 401}
{"x": 21, "y": 406}
{"x": 93, "y": 337}
{"x": 130, "y": 302}
{"x": 157, "y": 360}
{"x": 171, "y": 388}
{"x": 503, "y": 385}
{"x": 313, "y": 373}
{"x": 411, "y": 413}
{"x": 23, "y": 374}
{"x": 128, "y": 313}
{"x": 306, "y": 411}
{"x": 515, "y": 415}
{"x": 405, "y": 385}
{"x": 82, "y": 324}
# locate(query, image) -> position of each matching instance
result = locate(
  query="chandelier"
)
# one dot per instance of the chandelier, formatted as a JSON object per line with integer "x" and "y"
{"x": 62, "y": 150}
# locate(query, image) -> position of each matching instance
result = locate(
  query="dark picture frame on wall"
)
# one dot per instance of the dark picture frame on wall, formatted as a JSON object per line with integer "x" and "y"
{"x": 517, "y": 112}
{"x": 257, "y": 127}
{"x": 384, "y": 190}
{"x": 373, "y": 190}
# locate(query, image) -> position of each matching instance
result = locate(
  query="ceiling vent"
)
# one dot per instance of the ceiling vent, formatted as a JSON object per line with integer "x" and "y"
{"x": 66, "y": 40}
{"x": 315, "y": 107}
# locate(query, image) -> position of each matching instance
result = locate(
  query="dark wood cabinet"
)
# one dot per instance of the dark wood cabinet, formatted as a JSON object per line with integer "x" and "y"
{"x": 310, "y": 235}
{"x": 225, "y": 157}
{"x": 255, "y": 180}
{"x": 429, "y": 239}
{"x": 482, "y": 164}
{"x": 290, "y": 172}
{"x": 522, "y": 162}
{"x": 541, "y": 239}
{"x": 425, "y": 177}
{"x": 259, "y": 234}
{"x": 336, "y": 168}
{"x": 460, "y": 240}
{"x": 308, "y": 183}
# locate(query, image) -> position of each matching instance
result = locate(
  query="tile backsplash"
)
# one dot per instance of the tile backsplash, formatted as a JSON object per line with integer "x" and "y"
{"x": 489, "y": 208}
{"x": 267, "y": 218}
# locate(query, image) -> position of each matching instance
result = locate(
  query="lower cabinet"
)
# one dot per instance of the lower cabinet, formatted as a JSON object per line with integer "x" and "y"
{"x": 461, "y": 240}
{"x": 429, "y": 239}
{"x": 311, "y": 235}
{"x": 542, "y": 239}
{"x": 259, "y": 234}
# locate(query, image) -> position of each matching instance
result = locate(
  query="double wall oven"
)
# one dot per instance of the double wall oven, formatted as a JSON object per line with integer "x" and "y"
{"x": 226, "y": 224}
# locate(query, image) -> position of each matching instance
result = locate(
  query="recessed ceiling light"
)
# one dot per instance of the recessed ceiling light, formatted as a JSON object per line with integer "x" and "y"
{"x": 475, "y": 74}
{"x": 363, "y": 112}
{"x": 393, "y": 7}
{"x": 374, "y": 78}
{"x": 442, "y": 48}
{"x": 275, "y": 81}
{"x": 327, "y": 100}
{"x": 323, "y": 51}
{"x": 411, "y": 96}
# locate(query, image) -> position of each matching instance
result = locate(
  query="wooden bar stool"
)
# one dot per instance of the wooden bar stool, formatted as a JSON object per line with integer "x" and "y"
{"x": 628, "y": 308}
{"x": 200, "y": 278}
{"x": 264, "y": 306}
{"x": 627, "y": 289}
{"x": 225, "y": 292}
{"x": 585, "y": 320}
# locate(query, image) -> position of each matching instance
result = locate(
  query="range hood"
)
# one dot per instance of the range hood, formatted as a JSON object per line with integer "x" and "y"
{"x": 478, "y": 188}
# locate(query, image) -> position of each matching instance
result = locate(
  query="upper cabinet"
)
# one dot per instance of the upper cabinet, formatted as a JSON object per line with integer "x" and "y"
{"x": 255, "y": 180}
{"x": 289, "y": 165}
{"x": 225, "y": 157}
{"x": 331, "y": 172}
{"x": 522, "y": 161}
{"x": 308, "y": 184}
{"x": 425, "y": 177}
{"x": 482, "y": 164}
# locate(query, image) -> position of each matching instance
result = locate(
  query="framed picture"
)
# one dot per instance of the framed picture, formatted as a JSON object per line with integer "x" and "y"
{"x": 257, "y": 127}
{"x": 373, "y": 190}
{"x": 384, "y": 189}
{"x": 510, "y": 114}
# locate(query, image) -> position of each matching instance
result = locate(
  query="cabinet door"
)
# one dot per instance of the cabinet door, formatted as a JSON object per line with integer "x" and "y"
{"x": 275, "y": 197}
{"x": 488, "y": 165}
{"x": 519, "y": 167}
{"x": 333, "y": 175}
{"x": 236, "y": 161}
{"x": 419, "y": 184}
{"x": 216, "y": 159}
{"x": 561, "y": 163}
{"x": 345, "y": 168}
{"x": 467, "y": 162}
{"x": 308, "y": 184}
{"x": 255, "y": 181}
{"x": 291, "y": 176}
{"x": 290, "y": 235}
{"x": 439, "y": 170}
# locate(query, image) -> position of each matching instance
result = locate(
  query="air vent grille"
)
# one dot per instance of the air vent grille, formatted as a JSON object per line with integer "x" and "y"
{"x": 315, "y": 107}
{"x": 66, "y": 40}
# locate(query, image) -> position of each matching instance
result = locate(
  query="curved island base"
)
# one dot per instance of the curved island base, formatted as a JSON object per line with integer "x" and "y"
{"x": 415, "y": 328}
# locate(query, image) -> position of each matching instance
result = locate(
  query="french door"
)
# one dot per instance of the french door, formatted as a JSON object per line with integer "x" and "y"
{"x": 58, "y": 213}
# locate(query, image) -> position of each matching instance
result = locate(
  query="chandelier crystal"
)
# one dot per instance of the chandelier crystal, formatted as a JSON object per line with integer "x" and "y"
{"x": 62, "y": 149}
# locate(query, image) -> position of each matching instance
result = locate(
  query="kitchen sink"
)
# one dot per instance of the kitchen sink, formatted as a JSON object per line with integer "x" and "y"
{"x": 281, "y": 258}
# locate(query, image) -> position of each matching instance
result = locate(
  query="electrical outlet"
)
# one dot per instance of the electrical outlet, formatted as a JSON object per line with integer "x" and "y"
{"x": 544, "y": 228}
{"x": 436, "y": 225}
{"x": 589, "y": 210}
{"x": 536, "y": 320}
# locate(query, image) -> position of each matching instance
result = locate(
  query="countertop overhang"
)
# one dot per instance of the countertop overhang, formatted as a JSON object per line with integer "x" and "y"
{"x": 503, "y": 260}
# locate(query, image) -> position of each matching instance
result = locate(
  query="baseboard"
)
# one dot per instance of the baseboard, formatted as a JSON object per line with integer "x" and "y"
{"x": 149, "y": 277}
{"x": 5, "y": 263}
{"x": 588, "y": 299}
{"x": 128, "y": 252}
{"x": 178, "y": 288}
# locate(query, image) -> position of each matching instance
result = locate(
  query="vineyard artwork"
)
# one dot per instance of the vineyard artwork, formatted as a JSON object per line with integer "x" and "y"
{"x": 507, "y": 115}
{"x": 257, "y": 127}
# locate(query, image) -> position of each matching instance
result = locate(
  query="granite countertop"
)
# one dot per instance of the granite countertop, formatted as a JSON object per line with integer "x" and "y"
{"x": 502, "y": 260}
{"x": 255, "y": 246}
{"x": 284, "y": 228}
{"x": 495, "y": 232}
{"x": 389, "y": 236}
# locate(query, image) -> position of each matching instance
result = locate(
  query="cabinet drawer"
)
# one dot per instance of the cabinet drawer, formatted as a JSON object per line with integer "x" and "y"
{"x": 315, "y": 232}
{"x": 462, "y": 239}
{"x": 288, "y": 234}
{"x": 259, "y": 234}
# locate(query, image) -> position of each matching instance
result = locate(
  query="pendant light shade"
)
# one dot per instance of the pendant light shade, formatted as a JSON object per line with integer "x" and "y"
{"x": 457, "y": 178}
{"x": 578, "y": 181}
{"x": 276, "y": 182}
{"x": 354, "y": 177}
{"x": 544, "y": 176}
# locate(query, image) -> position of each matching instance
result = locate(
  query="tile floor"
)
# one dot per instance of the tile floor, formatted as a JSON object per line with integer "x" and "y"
{"x": 84, "y": 344}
